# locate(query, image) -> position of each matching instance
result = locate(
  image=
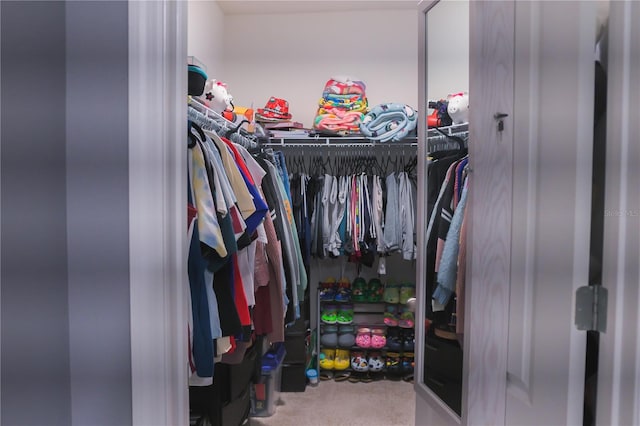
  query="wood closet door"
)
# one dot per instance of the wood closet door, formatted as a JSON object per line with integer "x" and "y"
{"x": 531, "y": 204}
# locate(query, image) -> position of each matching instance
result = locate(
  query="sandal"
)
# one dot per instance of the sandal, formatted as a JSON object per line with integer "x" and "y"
{"x": 376, "y": 290}
{"x": 344, "y": 291}
{"x": 327, "y": 290}
{"x": 341, "y": 376}
{"x": 355, "y": 377}
{"x": 393, "y": 363}
{"x": 376, "y": 362}
{"x": 391, "y": 293}
{"x": 378, "y": 339}
{"x": 366, "y": 378}
{"x": 342, "y": 360}
{"x": 345, "y": 314}
{"x": 408, "y": 340}
{"x": 359, "y": 290}
{"x": 359, "y": 361}
{"x": 406, "y": 319}
{"x": 407, "y": 363}
{"x": 326, "y": 359}
{"x": 363, "y": 339}
{"x": 329, "y": 314}
{"x": 326, "y": 375}
{"x": 390, "y": 317}
{"x": 346, "y": 336}
{"x": 407, "y": 291}
{"x": 329, "y": 336}
{"x": 394, "y": 339}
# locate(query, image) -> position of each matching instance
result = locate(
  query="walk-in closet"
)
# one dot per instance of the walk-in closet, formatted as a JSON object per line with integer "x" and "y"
{"x": 345, "y": 182}
{"x": 283, "y": 213}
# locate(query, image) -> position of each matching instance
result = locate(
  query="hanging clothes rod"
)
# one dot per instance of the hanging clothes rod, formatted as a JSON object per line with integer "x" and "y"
{"x": 340, "y": 143}
{"x": 211, "y": 120}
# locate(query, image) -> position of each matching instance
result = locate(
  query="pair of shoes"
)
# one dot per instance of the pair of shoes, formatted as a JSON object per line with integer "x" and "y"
{"x": 399, "y": 293}
{"x": 398, "y": 315}
{"x": 371, "y": 337}
{"x": 334, "y": 359}
{"x": 374, "y": 361}
{"x": 332, "y": 291}
{"x": 338, "y": 336}
{"x": 400, "y": 339}
{"x": 367, "y": 292}
{"x": 400, "y": 365}
{"x": 332, "y": 314}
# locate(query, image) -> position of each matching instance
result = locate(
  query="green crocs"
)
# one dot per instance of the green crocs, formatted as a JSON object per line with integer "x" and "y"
{"x": 376, "y": 290}
{"x": 359, "y": 290}
{"x": 407, "y": 291}
{"x": 329, "y": 314}
{"x": 391, "y": 293}
{"x": 345, "y": 314}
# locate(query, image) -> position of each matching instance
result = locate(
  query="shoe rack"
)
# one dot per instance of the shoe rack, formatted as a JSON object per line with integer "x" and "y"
{"x": 360, "y": 338}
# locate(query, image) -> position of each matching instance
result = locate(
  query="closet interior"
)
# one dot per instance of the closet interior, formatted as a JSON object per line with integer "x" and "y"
{"x": 304, "y": 236}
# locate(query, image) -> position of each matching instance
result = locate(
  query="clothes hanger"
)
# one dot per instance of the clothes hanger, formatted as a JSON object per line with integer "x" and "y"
{"x": 456, "y": 139}
{"x": 192, "y": 138}
{"x": 228, "y": 133}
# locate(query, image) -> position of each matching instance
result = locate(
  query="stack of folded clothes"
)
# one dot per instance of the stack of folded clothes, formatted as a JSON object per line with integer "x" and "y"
{"x": 276, "y": 110}
{"x": 342, "y": 107}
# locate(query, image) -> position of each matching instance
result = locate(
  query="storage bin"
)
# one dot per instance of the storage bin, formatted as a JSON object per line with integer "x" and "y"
{"x": 294, "y": 378}
{"x": 266, "y": 392}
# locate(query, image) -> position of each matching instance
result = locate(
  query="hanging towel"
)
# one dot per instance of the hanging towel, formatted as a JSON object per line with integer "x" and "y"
{"x": 389, "y": 121}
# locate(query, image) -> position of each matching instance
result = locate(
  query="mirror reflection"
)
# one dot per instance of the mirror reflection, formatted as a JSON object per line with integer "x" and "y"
{"x": 447, "y": 35}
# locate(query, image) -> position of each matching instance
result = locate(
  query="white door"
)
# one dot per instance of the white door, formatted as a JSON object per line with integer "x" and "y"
{"x": 619, "y": 368}
{"x": 526, "y": 359}
{"x": 554, "y": 92}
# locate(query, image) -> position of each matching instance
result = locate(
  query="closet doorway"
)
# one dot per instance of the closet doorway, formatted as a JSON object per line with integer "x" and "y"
{"x": 156, "y": 315}
{"x": 278, "y": 50}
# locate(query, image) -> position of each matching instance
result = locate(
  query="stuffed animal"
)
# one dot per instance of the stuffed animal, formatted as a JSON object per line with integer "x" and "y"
{"x": 216, "y": 96}
{"x": 458, "y": 107}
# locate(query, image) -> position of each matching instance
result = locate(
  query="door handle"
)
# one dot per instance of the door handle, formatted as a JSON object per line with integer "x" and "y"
{"x": 500, "y": 116}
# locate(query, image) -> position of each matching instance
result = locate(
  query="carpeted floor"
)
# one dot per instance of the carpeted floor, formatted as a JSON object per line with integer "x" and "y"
{"x": 381, "y": 403}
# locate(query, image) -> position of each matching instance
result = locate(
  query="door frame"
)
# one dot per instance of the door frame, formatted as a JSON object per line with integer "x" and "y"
{"x": 157, "y": 212}
{"x": 619, "y": 353}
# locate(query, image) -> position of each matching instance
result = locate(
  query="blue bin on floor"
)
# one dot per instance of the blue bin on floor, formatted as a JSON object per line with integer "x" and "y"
{"x": 266, "y": 392}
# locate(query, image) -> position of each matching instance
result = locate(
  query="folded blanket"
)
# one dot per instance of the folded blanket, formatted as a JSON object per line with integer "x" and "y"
{"x": 389, "y": 121}
{"x": 344, "y": 86}
{"x": 346, "y": 122}
{"x": 347, "y": 102}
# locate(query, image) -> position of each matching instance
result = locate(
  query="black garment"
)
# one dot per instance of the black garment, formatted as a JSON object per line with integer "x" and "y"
{"x": 223, "y": 287}
{"x": 437, "y": 172}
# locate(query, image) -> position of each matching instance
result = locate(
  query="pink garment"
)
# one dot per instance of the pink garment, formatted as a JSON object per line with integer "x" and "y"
{"x": 262, "y": 266}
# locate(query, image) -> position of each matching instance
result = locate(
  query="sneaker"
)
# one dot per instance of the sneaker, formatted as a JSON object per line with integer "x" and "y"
{"x": 327, "y": 290}
{"x": 344, "y": 291}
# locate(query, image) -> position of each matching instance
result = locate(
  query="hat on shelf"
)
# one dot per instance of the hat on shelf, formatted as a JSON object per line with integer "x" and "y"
{"x": 197, "y": 80}
{"x": 275, "y": 109}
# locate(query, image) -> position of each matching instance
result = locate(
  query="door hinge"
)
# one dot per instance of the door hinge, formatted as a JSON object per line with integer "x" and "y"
{"x": 591, "y": 308}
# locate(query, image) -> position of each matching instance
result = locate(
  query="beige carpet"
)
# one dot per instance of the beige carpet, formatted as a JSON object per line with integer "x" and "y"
{"x": 381, "y": 403}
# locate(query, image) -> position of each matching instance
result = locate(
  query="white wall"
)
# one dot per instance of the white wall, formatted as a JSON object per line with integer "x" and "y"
{"x": 293, "y": 55}
{"x": 448, "y": 49}
{"x": 206, "y": 34}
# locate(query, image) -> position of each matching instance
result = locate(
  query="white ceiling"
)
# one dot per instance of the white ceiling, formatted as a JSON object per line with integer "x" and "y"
{"x": 244, "y": 7}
